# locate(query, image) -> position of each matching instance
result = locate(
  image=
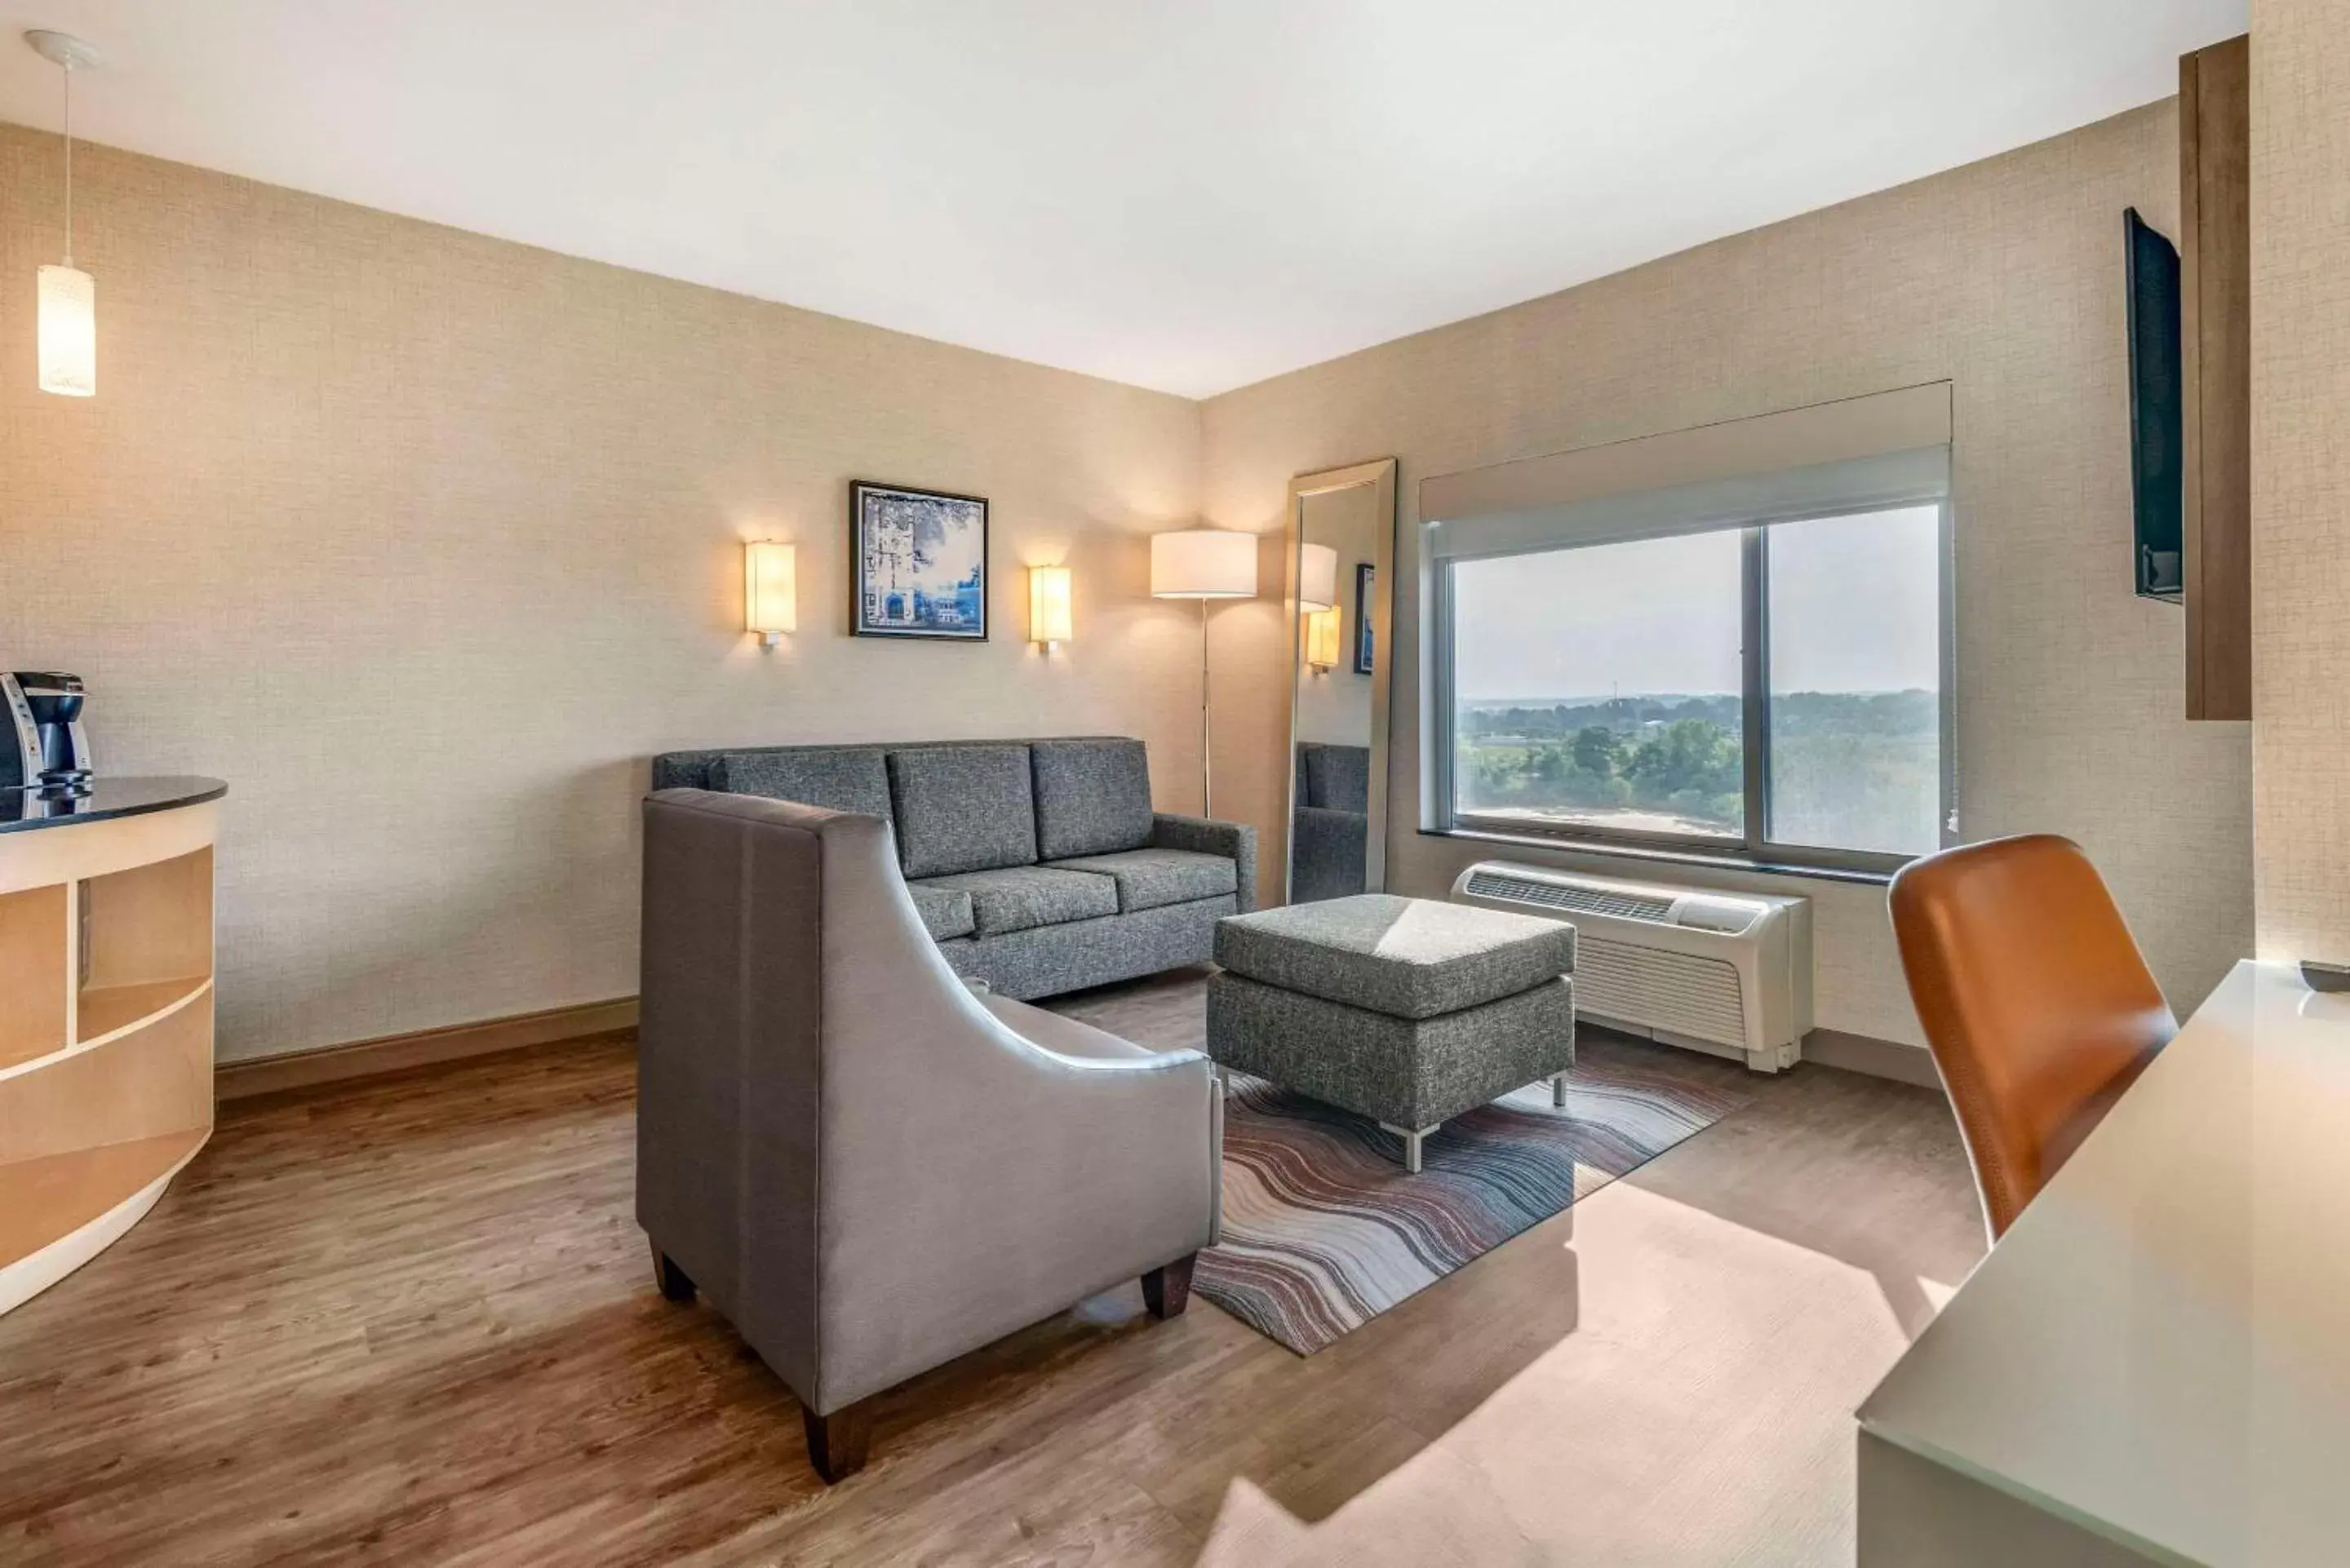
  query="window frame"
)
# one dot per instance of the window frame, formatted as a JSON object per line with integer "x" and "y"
{"x": 1753, "y": 848}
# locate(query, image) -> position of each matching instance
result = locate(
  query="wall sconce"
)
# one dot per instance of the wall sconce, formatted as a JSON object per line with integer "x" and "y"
{"x": 1321, "y": 641}
{"x": 771, "y": 581}
{"x": 1317, "y": 600}
{"x": 1048, "y": 606}
{"x": 1317, "y": 576}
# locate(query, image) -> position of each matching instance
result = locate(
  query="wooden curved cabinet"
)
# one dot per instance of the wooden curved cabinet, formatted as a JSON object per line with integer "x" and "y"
{"x": 106, "y": 1016}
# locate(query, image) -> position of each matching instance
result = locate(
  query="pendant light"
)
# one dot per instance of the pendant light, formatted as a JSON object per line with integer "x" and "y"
{"x": 68, "y": 309}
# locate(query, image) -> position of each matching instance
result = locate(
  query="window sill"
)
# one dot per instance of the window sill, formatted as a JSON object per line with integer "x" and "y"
{"x": 1657, "y": 855}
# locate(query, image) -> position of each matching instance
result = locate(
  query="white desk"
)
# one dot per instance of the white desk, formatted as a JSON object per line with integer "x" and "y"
{"x": 2154, "y": 1364}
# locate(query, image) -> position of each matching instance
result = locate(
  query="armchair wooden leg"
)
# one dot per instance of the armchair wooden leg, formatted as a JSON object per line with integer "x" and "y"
{"x": 836, "y": 1443}
{"x": 1167, "y": 1290}
{"x": 674, "y": 1284}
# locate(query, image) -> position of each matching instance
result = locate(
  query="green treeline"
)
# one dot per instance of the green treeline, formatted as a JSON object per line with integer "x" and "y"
{"x": 1857, "y": 769}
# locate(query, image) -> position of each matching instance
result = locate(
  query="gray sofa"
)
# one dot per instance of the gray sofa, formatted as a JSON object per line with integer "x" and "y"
{"x": 1037, "y": 867}
{"x": 1329, "y": 831}
{"x": 867, "y": 1167}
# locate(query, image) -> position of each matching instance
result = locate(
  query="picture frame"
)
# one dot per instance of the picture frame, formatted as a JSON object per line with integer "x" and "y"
{"x": 918, "y": 563}
{"x": 1366, "y": 578}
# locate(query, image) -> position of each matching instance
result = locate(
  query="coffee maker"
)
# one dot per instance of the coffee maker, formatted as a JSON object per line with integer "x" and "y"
{"x": 44, "y": 747}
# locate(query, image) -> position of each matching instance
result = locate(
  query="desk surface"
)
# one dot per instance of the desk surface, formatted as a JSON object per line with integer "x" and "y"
{"x": 25, "y": 811}
{"x": 2158, "y": 1349}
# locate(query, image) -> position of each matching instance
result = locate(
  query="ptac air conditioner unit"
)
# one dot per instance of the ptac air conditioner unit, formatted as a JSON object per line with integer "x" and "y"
{"x": 1729, "y": 973}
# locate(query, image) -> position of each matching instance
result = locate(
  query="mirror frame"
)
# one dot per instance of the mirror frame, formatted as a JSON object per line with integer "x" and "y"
{"x": 1379, "y": 474}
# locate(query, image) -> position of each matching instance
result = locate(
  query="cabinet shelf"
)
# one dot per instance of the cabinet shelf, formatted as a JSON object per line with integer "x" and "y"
{"x": 45, "y": 1200}
{"x": 107, "y": 1009}
{"x": 106, "y": 1026}
{"x": 33, "y": 947}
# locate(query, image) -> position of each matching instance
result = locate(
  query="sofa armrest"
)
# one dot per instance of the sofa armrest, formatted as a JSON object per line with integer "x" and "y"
{"x": 975, "y": 1173}
{"x": 1235, "y": 841}
{"x": 985, "y": 1178}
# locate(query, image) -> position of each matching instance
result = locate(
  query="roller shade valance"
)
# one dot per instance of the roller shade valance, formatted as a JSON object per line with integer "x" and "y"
{"x": 1882, "y": 451}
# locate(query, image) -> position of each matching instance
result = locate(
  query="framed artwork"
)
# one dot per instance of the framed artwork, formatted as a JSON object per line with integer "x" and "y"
{"x": 1365, "y": 576}
{"x": 918, "y": 563}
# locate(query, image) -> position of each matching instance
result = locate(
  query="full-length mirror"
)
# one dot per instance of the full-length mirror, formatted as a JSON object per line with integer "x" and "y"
{"x": 1341, "y": 550}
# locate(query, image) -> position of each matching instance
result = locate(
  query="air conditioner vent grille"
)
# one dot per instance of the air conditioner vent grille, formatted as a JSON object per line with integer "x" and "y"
{"x": 1680, "y": 992}
{"x": 1486, "y": 884}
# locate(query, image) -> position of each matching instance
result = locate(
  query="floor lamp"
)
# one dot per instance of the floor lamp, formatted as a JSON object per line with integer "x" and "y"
{"x": 1203, "y": 563}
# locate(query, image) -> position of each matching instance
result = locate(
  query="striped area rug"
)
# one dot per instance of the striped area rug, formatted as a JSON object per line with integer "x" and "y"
{"x": 1324, "y": 1230}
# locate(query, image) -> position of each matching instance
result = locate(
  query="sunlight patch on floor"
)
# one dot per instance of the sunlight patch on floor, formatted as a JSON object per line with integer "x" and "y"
{"x": 1699, "y": 1411}
{"x": 1433, "y": 1511}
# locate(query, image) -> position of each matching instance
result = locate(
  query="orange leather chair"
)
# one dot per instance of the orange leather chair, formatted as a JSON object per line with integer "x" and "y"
{"x": 2035, "y": 1000}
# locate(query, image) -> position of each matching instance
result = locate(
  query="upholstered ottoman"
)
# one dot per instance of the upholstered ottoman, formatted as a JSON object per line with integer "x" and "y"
{"x": 1407, "y": 1011}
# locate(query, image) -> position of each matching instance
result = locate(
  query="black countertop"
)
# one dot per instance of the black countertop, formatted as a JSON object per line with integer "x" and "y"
{"x": 22, "y": 811}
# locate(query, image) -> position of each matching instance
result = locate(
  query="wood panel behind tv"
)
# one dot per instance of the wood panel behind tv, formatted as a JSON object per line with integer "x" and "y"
{"x": 2216, "y": 364}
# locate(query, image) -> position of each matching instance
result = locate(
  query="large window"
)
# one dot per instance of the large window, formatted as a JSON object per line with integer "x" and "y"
{"x": 1600, "y": 687}
{"x": 1772, "y": 691}
{"x": 1853, "y": 620}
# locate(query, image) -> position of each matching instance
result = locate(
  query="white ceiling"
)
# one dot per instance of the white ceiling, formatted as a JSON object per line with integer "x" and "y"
{"x": 1186, "y": 194}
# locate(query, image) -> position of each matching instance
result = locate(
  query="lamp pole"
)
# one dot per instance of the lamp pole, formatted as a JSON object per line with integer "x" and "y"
{"x": 1203, "y": 563}
{"x": 1207, "y": 786}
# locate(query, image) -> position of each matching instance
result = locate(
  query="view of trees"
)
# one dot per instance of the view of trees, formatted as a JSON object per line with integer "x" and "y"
{"x": 1855, "y": 770}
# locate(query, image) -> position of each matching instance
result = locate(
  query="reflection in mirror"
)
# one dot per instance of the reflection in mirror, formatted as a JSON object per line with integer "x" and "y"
{"x": 1340, "y": 535}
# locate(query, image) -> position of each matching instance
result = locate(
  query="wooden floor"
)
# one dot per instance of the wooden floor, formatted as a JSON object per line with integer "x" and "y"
{"x": 412, "y": 1321}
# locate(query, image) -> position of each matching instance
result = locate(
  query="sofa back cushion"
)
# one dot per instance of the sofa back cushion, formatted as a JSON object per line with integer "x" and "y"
{"x": 963, "y": 808}
{"x": 1337, "y": 778}
{"x": 1093, "y": 797}
{"x": 838, "y": 778}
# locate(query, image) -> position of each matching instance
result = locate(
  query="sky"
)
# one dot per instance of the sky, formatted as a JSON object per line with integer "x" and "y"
{"x": 1855, "y": 604}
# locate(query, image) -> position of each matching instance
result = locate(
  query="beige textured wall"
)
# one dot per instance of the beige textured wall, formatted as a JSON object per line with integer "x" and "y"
{"x": 2301, "y": 475}
{"x": 2004, "y": 277}
{"x": 426, "y": 542}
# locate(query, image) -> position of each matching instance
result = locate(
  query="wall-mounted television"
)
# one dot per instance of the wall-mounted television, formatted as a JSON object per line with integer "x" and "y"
{"x": 2157, "y": 436}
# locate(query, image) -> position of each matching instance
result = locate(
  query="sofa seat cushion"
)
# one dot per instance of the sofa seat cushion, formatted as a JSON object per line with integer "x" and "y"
{"x": 1092, "y": 796}
{"x": 841, "y": 778}
{"x": 1149, "y": 879}
{"x": 1407, "y": 958}
{"x": 963, "y": 808}
{"x": 946, "y": 912}
{"x": 1020, "y": 897}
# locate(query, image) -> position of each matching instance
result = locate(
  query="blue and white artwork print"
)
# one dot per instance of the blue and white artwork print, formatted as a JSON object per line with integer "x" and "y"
{"x": 920, "y": 562}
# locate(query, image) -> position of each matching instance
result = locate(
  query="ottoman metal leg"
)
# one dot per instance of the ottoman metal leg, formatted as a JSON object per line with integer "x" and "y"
{"x": 1410, "y": 1143}
{"x": 1558, "y": 1090}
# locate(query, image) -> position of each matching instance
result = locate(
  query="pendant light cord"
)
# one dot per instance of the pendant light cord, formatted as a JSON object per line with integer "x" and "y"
{"x": 67, "y": 71}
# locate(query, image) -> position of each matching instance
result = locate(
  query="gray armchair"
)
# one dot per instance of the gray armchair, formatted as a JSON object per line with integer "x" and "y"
{"x": 869, "y": 1168}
